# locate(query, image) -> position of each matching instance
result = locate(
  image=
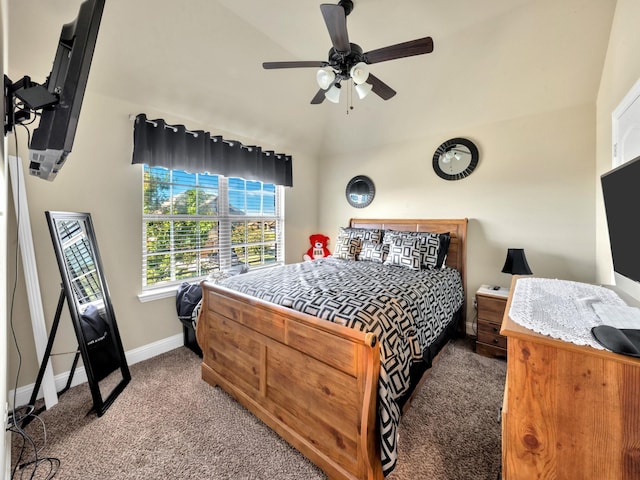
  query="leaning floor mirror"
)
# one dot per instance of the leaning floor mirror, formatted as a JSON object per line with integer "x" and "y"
{"x": 94, "y": 321}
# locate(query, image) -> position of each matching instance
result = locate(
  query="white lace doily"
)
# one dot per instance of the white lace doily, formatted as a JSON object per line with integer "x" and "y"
{"x": 560, "y": 308}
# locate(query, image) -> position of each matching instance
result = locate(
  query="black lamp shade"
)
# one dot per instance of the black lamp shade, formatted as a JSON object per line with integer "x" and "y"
{"x": 516, "y": 262}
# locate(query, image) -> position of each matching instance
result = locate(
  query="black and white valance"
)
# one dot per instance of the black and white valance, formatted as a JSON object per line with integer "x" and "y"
{"x": 173, "y": 146}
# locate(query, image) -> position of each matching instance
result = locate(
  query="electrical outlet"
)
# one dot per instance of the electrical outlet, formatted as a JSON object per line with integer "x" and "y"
{"x": 475, "y": 303}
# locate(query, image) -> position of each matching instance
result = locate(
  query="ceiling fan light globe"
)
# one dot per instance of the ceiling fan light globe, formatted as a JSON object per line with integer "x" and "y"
{"x": 333, "y": 94}
{"x": 325, "y": 77}
{"x": 359, "y": 73}
{"x": 363, "y": 90}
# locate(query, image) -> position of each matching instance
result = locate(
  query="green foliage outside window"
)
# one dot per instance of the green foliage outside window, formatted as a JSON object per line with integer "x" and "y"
{"x": 182, "y": 225}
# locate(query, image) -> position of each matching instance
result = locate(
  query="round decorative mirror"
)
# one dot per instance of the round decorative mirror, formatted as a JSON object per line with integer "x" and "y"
{"x": 360, "y": 191}
{"x": 455, "y": 159}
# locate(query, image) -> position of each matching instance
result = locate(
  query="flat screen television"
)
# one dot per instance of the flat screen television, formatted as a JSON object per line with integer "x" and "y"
{"x": 621, "y": 194}
{"x": 53, "y": 139}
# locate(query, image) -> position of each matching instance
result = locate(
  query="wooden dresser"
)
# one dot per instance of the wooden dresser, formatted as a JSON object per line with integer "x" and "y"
{"x": 569, "y": 412}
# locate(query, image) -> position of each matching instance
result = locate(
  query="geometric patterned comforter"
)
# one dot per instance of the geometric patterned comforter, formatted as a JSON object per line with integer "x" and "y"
{"x": 406, "y": 309}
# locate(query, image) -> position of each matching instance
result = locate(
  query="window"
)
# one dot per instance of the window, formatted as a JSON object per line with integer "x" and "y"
{"x": 195, "y": 223}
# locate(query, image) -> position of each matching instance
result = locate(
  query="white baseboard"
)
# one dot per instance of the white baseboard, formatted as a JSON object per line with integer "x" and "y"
{"x": 470, "y": 329}
{"x": 154, "y": 349}
{"x": 23, "y": 394}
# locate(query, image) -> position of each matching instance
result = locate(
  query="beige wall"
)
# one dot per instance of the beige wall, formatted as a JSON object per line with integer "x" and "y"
{"x": 621, "y": 71}
{"x": 532, "y": 189}
{"x": 98, "y": 178}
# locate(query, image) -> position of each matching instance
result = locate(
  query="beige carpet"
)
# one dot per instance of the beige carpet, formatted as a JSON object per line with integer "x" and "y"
{"x": 169, "y": 424}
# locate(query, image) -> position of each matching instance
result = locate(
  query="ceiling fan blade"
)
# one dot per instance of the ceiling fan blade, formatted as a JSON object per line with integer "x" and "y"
{"x": 336, "y": 21}
{"x": 272, "y": 65}
{"x": 400, "y": 50}
{"x": 319, "y": 97}
{"x": 380, "y": 88}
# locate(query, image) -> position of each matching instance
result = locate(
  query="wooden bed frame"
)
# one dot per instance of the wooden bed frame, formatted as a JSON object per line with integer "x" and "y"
{"x": 312, "y": 381}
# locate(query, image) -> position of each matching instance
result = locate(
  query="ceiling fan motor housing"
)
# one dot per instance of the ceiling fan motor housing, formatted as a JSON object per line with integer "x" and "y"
{"x": 347, "y": 5}
{"x": 342, "y": 63}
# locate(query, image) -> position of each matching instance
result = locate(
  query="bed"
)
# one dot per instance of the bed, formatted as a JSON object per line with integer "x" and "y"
{"x": 331, "y": 383}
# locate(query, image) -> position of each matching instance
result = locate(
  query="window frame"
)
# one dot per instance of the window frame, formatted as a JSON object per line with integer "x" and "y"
{"x": 225, "y": 220}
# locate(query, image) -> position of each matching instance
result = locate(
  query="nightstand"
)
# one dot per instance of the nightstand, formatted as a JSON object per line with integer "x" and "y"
{"x": 490, "y": 305}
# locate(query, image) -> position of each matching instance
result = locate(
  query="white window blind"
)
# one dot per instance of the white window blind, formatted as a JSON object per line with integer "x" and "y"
{"x": 79, "y": 259}
{"x": 196, "y": 223}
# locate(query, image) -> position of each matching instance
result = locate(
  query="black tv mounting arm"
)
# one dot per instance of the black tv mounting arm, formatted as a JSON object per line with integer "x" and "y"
{"x": 33, "y": 97}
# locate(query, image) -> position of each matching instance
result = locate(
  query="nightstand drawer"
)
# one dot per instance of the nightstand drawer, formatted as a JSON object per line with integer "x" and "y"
{"x": 490, "y": 308}
{"x": 489, "y": 333}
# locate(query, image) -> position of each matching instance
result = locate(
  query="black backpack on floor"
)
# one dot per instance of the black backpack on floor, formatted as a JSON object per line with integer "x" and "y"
{"x": 188, "y": 297}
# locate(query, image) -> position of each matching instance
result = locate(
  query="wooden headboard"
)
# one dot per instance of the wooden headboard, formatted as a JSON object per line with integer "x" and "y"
{"x": 457, "y": 228}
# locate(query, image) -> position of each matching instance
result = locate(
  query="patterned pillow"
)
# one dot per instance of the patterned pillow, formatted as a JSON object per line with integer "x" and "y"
{"x": 365, "y": 234}
{"x": 445, "y": 240}
{"x": 390, "y": 235}
{"x": 374, "y": 252}
{"x": 429, "y": 245}
{"x": 404, "y": 251}
{"x": 347, "y": 248}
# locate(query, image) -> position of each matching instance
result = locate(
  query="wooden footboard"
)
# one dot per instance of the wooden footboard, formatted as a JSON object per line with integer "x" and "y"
{"x": 313, "y": 382}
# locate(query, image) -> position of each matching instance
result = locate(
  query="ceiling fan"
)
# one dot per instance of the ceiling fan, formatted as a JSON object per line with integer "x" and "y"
{"x": 348, "y": 61}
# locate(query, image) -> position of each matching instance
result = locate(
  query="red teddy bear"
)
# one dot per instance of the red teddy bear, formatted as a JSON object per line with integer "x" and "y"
{"x": 318, "y": 247}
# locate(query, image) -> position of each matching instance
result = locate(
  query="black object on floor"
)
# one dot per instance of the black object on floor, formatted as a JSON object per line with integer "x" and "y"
{"x": 188, "y": 298}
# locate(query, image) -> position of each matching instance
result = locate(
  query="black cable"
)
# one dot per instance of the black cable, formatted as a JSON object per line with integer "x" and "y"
{"x": 15, "y": 283}
{"x": 18, "y": 460}
{"x": 15, "y": 419}
{"x": 34, "y": 465}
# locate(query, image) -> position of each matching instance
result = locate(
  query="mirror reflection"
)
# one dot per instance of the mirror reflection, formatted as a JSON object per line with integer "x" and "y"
{"x": 456, "y": 158}
{"x": 80, "y": 263}
{"x": 360, "y": 191}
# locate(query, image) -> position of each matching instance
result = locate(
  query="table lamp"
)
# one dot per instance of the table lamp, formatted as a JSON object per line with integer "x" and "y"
{"x": 516, "y": 262}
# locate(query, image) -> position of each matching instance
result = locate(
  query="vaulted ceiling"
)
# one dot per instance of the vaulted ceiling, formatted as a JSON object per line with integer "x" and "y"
{"x": 202, "y": 60}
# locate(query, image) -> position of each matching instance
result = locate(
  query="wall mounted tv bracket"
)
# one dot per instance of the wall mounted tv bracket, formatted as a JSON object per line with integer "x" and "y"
{"x": 31, "y": 95}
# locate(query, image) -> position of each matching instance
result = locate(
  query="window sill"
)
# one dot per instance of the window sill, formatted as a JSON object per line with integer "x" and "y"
{"x": 158, "y": 293}
{"x": 170, "y": 290}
